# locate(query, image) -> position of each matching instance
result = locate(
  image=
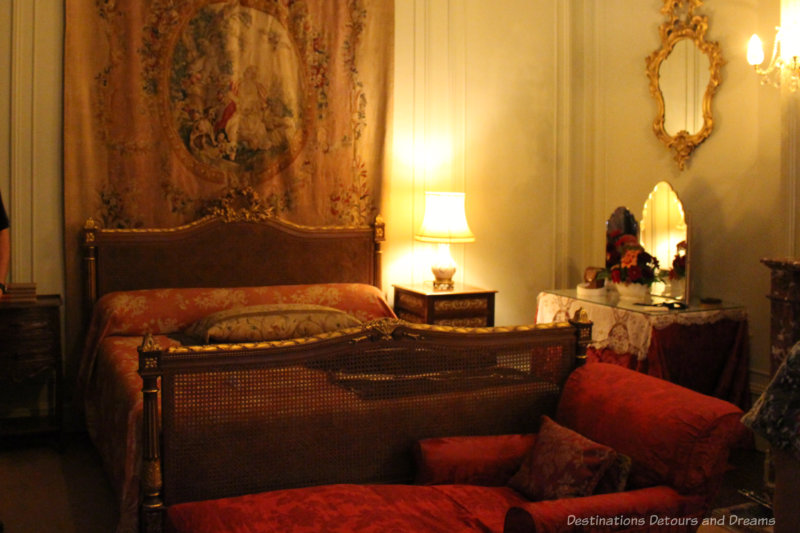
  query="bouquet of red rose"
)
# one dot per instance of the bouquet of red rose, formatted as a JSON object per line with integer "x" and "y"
{"x": 628, "y": 262}
{"x": 678, "y": 270}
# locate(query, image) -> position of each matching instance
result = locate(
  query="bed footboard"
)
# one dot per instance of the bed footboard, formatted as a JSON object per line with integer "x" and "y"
{"x": 342, "y": 407}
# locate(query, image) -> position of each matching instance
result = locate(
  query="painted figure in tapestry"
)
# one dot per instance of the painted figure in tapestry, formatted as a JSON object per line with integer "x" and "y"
{"x": 236, "y": 90}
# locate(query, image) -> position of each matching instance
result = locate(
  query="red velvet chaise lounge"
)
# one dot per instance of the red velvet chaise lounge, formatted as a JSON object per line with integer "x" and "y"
{"x": 654, "y": 460}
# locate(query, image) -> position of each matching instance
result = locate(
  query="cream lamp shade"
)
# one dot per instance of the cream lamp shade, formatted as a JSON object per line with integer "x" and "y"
{"x": 444, "y": 222}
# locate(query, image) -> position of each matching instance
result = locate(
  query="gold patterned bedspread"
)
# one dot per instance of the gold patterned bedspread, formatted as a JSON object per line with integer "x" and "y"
{"x": 109, "y": 386}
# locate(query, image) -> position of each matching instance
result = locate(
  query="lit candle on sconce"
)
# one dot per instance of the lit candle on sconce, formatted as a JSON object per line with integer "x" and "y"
{"x": 785, "y": 59}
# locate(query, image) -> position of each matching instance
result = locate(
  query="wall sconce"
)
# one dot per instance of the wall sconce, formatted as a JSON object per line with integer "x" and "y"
{"x": 785, "y": 59}
{"x": 444, "y": 222}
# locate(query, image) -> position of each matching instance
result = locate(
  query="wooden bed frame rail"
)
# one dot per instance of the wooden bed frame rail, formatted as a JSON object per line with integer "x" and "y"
{"x": 383, "y": 386}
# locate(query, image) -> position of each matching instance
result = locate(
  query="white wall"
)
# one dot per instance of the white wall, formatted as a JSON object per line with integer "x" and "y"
{"x": 31, "y": 36}
{"x": 483, "y": 77}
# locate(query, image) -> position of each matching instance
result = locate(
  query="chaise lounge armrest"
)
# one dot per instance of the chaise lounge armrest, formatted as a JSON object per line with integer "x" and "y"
{"x": 675, "y": 436}
{"x": 629, "y": 511}
{"x": 488, "y": 460}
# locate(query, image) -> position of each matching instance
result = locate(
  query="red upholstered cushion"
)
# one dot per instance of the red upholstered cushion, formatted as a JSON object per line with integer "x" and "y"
{"x": 630, "y": 511}
{"x": 674, "y": 436}
{"x": 561, "y": 464}
{"x": 350, "y": 508}
{"x": 489, "y": 505}
{"x": 475, "y": 460}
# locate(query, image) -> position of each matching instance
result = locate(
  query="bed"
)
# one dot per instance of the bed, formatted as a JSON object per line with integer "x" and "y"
{"x": 147, "y": 290}
{"x": 159, "y": 281}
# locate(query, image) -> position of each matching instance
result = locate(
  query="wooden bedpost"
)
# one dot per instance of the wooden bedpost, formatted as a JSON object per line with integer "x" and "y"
{"x": 90, "y": 263}
{"x": 583, "y": 335}
{"x": 379, "y": 232}
{"x": 151, "y": 516}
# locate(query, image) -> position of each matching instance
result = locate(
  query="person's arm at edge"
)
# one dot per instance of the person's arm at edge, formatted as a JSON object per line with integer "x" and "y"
{"x": 5, "y": 254}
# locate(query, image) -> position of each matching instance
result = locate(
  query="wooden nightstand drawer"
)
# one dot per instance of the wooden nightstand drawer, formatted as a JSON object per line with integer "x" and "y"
{"x": 26, "y": 366}
{"x": 27, "y": 323}
{"x": 30, "y": 352}
{"x": 463, "y": 306}
{"x": 478, "y": 305}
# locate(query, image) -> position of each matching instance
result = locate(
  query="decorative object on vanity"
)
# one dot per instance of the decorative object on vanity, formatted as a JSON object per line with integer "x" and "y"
{"x": 633, "y": 292}
{"x": 621, "y": 222}
{"x": 665, "y": 234}
{"x": 684, "y": 75}
{"x": 783, "y": 64}
{"x": 593, "y": 284}
{"x": 462, "y": 306}
{"x": 630, "y": 268}
{"x": 444, "y": 223}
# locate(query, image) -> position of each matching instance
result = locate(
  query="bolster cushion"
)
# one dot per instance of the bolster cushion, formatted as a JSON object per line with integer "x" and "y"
{"x": 650, "y": 509}
{"x": 471, "y": 460}
{"x": 256, "y": 323}
{"x": 674, "y": 436}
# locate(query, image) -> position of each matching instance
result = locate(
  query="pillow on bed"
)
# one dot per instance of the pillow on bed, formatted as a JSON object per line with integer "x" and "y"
{"x": 268, "y": 323}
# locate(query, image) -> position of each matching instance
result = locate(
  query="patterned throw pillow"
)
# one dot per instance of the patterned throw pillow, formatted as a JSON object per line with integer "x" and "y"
{"x": 561, "y": 464}
{"x": 268, "y": 323}
{"x": 616, "y": 477}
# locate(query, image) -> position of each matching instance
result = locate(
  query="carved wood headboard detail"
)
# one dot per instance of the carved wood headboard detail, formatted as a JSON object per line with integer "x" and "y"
{"x": 239, "y": 244}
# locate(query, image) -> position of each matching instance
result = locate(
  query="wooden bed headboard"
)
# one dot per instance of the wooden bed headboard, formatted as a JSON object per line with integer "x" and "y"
{"x": 224, "y": 250}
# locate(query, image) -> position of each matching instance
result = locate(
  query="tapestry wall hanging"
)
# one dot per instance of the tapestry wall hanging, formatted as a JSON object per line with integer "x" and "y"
{"x": 171, "y": 104}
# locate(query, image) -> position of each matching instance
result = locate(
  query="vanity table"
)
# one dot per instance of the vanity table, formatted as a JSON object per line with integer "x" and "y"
{"x": 704, "y": 348}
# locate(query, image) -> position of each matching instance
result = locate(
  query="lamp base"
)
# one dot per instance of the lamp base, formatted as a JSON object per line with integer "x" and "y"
{"x": 443, "y": 268}
{"x": 443, "y": 285}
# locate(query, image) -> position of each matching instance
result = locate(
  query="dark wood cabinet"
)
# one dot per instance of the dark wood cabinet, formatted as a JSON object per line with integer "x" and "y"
{"x": 463, "y": 306}
{"x": 30, "y": 363}
{"x": 784, "y": 297}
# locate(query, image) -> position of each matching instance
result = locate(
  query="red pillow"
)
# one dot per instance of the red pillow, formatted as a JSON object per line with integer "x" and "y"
{"x": 561, "y": 464}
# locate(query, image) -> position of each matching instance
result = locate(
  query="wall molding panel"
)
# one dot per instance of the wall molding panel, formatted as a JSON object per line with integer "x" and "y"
{"x": 563, "y": 176}
{"x": 22, "y": 165}
{"x": 32, "y": 139}
{"x": 790, "y": 166}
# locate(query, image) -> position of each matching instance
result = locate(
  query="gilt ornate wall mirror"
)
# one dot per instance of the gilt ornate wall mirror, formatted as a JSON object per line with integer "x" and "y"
{"x": 665, "y": 235}
{"x": 684, "y": 75}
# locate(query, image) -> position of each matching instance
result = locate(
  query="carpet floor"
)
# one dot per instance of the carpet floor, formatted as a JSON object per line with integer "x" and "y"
{"x": 50, "y": 488}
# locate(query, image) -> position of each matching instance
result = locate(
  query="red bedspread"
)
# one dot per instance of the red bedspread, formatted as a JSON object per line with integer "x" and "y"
{"x": 349, "y": 508}
{"x": 108, "y": 382}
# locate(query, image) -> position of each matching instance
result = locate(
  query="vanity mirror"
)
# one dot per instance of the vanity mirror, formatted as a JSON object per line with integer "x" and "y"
{"x": 621, "y": 222}
{"x": 665, "y": 235}
{"x": 684, "y": 75}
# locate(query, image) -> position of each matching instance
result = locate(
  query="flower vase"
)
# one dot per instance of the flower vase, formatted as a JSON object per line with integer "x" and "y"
{"x": 633, "y": 292}
{"x": 677, "y": 288}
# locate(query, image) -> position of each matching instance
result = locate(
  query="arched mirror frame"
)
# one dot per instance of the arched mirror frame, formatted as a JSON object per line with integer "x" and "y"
{"x": 655, "y": 213}
{"x": 683, "y": 23}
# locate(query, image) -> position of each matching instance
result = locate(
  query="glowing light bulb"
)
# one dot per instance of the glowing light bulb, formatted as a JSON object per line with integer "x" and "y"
{"x": 755, "y": 51}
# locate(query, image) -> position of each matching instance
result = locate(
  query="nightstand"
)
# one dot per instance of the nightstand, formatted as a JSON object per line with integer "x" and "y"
{"x": 463, "y": 306}
{"x": 30, "y": 358}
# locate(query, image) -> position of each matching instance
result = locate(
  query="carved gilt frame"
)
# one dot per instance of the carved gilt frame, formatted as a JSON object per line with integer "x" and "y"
{"x": 683, "y": 23}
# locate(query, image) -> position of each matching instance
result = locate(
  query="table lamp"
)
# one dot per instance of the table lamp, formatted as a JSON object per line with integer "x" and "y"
{"x": 444, "y": 222}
